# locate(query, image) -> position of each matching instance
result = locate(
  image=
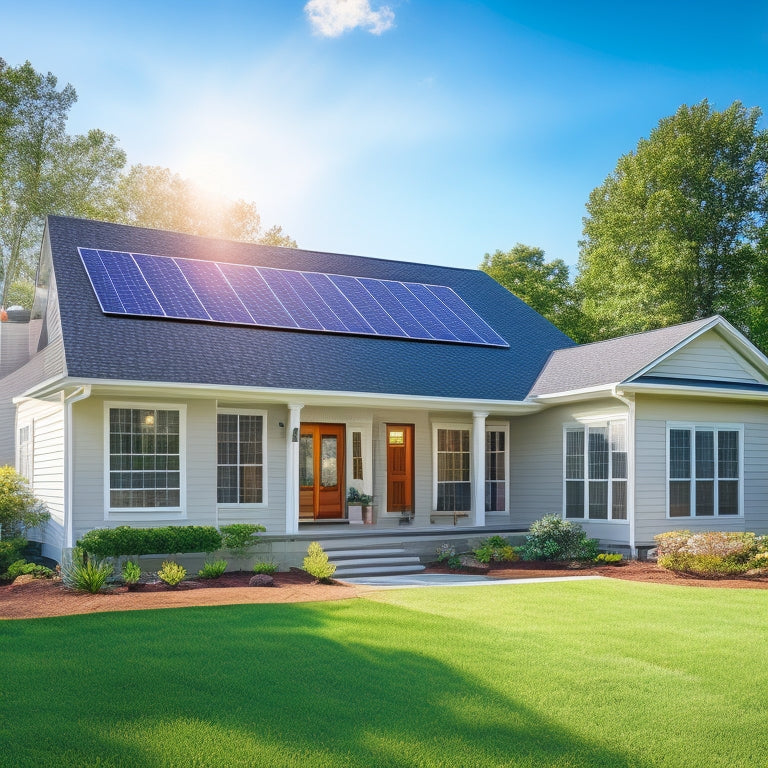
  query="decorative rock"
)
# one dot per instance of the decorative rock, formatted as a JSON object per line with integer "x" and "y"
{"x": 261, "y": 580}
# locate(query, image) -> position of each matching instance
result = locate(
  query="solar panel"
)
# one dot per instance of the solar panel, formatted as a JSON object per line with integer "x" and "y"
{"x": 145, "y": 285}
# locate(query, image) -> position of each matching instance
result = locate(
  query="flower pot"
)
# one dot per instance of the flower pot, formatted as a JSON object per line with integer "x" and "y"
{"x": 355, "y": 514}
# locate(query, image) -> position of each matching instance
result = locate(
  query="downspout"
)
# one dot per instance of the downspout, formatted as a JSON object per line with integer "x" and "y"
{"x": 81, "y": 393}
{"x": 630, "y": 403}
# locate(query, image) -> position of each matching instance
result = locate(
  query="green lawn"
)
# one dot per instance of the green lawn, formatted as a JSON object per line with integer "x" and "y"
{"x": 590, "y": 673}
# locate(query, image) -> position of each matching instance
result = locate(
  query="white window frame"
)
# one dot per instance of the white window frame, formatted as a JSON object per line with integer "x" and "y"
{"x": 246, "y": 412}
{"x": 147, "y": 513}
{"x": 693, "y": 426}
{"x": 502, "y": 426}
{"x": 584, "y": 427}
{"x": 455, "y": 425}
{"x": 26, "y": 448}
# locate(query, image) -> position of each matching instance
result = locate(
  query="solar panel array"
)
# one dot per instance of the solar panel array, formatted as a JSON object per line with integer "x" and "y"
{"x": 192, "y": 289}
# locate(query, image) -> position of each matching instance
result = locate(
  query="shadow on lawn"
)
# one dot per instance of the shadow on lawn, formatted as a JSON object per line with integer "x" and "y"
{"x": 272, "y": 685}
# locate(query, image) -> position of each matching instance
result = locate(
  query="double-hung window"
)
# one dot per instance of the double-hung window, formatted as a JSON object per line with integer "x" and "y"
{"x": 496, "y": 468}
{"x": 240, "y": 463}
{"x": 704, "y": 468}
{"x": 453, "y": 458}
{"x": 596, "y": 471}
{"x": 145, "y": 457}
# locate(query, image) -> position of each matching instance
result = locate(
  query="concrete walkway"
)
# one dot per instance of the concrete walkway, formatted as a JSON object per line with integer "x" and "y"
{"x": 450, "y": 580}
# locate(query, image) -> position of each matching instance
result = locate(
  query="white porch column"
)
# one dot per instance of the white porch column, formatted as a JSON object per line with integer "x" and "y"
{"x": 292, "y": 468}
{"x": 478, "y": 467}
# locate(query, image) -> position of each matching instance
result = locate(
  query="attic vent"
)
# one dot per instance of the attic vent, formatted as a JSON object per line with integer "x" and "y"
{"x": 239, "y": 294}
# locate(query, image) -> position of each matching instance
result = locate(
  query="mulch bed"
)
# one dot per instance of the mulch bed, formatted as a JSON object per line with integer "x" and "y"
{"x": 36, "y": 598}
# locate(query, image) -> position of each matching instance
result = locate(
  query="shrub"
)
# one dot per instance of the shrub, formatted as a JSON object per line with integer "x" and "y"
{"x": 171, "y": 573}
{"x": 238, "y": 538}
{"x": 131, "y": 572}
{"x": 85, "y": 575}
{"x": 125, "y": 540}
{"x": 709, "y": 553}
{"x": 10, "y": 552}
{"x": 356, "y": 497}
{"x": 609, "y": 558}
{"x": 267, "y": 568}
{"x": 454, "y": 563}
{"x": 212, "y": 569}
{"x": 19, "y": 509}
{"x": 495, "y": 549}
{"x": 316, "y": 563}
{"x": 445, "y": 552}
{"x": 760, "y": 560}
{"x": 553, "y": 538}
{"x": 22, "y": 567}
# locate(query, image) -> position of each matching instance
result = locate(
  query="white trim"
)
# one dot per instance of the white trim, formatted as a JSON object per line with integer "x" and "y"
{"x": 499, "y": 426}
{"x": 688, "y": 391}
{"x": 693, "y": 426}
{"x": 584, "y": 425}
{"x": 278, "y": 395}
{"x": 477, "y": 463}
{"x": 147, "y": 513}
{"x": 264, "y": 475}
{"x": 451, "y": 425}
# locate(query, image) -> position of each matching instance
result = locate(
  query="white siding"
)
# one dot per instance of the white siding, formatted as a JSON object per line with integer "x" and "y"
{"x": 652, "y": 414}
{"x": 708, "y": 357}
{"x": 46, "y": 422}
{"x": 536, "y": 465}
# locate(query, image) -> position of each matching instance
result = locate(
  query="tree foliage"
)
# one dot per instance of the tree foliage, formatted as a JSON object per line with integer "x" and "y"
{"x": 44, "y": 170}
{"x": 678, "y": 230}
{"x": 543, "y": 285}
{"x": 19, "y": 509}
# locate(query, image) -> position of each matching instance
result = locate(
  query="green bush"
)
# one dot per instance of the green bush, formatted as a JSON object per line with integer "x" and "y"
{"x": 445, "y": 552}
{"x": 269, "y": 568}
{"x": 22, "y": 567}
{"x": 19, "y": 509}
{"x": 553, "y": 538}
{"x": 125, "y": 540}
{"x": 131, "y": 572}
{"x": 609, "y": 558}
{"x": 495, "y": 549}
{"x": 708, "y": 553}
{"x": 10, "y": 552}
{"x": 238, "y": 538}
{"x": 212, "y": 569}
{"x": 172, "y": 573}
{"x": 85, "y": 575}
{"x": 316, "y": 563}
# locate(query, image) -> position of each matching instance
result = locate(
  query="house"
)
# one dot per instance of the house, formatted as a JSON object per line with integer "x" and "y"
{"x": 170, "y": 379}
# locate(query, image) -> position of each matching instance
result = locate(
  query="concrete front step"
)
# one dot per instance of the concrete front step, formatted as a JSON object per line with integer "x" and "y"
{"x": 377, "y": 570}
{"x": 359, "y": 561}
{"x": 340, "y": 554}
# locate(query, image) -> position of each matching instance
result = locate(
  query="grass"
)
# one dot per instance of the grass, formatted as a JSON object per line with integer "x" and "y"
{"x": 590, "y": 673}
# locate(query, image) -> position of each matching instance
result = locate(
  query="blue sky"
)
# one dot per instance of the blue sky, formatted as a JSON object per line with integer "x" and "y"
{"x": 424, "y": 131}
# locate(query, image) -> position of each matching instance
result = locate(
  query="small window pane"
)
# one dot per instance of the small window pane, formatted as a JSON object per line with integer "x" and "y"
{"x": 357, "y": 456}
{"x": 705, "y": 454}
{"x": 598, "y": 453}
{"x": 728, "y": 454}
{"x": 619, "y": 500}
{"x": 680, "y": 453}
{"x": 728, "y": 497}
{"x": 679, "y": 498}
{"x": 705, "y": 498}
{"x": 598, "y": 500}
{"x": 574, "y": 498}
{"x": 574, "y": 454}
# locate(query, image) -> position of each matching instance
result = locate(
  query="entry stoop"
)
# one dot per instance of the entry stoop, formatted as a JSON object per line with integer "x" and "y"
{"x": 372, "y": 562}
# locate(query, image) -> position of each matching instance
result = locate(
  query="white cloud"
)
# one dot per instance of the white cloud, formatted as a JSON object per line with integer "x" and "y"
{"x": 331, "y": 18}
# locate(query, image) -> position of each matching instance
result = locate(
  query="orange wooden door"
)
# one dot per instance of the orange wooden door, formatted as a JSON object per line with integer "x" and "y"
{"x": 321, "y": 471}
{"x": 400, "y": 468}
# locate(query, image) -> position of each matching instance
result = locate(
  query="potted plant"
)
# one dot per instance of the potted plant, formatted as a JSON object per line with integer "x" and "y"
{"x": 359, "y": 507}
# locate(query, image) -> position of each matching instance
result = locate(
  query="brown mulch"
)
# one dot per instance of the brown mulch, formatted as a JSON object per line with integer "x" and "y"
{"x": 36, "y": 598}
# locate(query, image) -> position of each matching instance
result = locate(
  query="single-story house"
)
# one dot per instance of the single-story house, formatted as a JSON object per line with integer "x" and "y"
{"x": 167, "y": 379}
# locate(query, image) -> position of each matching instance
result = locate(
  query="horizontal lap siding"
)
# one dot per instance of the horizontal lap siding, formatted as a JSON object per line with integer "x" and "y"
{"x": 708, "y": 357}
{"x": 536, "y": 464}
{"x": 652, "y": 416}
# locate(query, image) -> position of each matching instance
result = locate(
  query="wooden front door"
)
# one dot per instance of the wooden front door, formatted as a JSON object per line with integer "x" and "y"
{"x": 321, "y": 472}
{"x": 400, "y": 468}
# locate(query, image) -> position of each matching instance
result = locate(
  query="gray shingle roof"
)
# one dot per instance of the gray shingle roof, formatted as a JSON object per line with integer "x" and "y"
{"x": 609, "y": 362}
{"x": 146, "y": 349}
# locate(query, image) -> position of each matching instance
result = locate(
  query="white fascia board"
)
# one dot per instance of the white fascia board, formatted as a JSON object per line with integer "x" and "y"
{"x": 274, "y": 394}
{"x": 688, "y": 391}
{"x": 586, "y": 393}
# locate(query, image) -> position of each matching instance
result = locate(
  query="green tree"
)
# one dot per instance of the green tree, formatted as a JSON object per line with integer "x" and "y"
{"x": 151, "y": 196}
{"x": 543, "y": 285}
{"x": 19, "y": 509}
{"x": 42, "y": 169}
{"x": 675, "y": 232}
